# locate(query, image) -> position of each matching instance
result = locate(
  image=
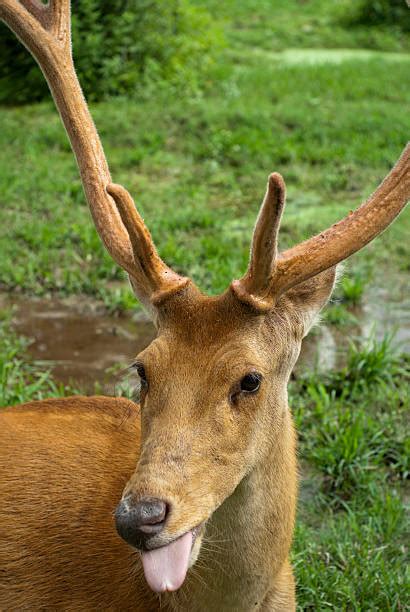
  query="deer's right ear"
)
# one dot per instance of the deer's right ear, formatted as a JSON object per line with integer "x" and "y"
{"x": 304, "y": 301}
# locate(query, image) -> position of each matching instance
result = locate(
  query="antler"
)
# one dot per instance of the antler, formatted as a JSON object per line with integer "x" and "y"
{"x": 269, "y": 275}
{"x": 45, "y": 31}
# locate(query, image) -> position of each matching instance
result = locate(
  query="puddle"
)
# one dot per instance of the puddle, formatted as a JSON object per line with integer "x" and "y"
{"x": 84, "y": 346}
{"x": 77, "y": 342}
{"x": 384, "y": 310}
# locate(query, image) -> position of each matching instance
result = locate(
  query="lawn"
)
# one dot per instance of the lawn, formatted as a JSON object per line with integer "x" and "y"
{"x": 298, "y": 90}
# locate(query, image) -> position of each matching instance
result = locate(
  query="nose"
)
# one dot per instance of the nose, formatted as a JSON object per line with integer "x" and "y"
{"x": 137, "y": 522}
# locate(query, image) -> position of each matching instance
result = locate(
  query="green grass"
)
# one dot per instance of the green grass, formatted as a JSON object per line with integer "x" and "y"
{"x": 22, "y": 380}
{"x": 197, "y": 166}
{"x": 349, "y": 550}
{"x": 280, "y": 24}
{"x": 199, "y": 173}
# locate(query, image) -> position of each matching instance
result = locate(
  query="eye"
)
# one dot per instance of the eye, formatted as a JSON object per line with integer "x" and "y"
{"x": 251, "y": 382}
{"x": 142, "y": 374}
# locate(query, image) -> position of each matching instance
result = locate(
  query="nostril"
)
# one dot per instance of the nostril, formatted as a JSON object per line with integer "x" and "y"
{"x": 150, "y": 512}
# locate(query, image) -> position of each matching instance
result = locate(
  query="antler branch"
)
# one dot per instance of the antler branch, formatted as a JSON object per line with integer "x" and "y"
{"x": 264, "y": 249}
{"x": 45, "y": 31}
{"x": 38, "y": 10}
{"x": 325, "y": 250}
{"x": 158, "y": 278}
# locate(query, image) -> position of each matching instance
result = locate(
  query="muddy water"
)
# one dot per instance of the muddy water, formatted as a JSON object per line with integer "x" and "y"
{"x": 384, "y": 310}
{"x": 79, "y": 343}
{"x": 83, "y": 346}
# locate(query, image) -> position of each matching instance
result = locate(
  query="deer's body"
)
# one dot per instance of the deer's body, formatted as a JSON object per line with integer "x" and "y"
{"x": 203, "y": 481}
{"x": 64, "y": 464}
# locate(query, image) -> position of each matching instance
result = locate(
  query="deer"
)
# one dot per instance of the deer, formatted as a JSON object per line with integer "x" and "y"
{"x": 185, "y": 500}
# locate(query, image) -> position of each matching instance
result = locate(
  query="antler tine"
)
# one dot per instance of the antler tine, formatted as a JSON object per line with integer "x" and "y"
{"x": 45, "y": 31}
{"x": 256, "y": 283}
{"x": 38, "y": 10}
{"x": 325, "y": 250}
{"x": 159, "y": 280}
{"x": 61, "y": 19}
{"x": 54, "y": 16}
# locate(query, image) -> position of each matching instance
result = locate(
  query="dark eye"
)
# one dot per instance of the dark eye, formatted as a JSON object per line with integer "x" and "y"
{"x": 251, "y": 382}
{"x": 142, "y": 374}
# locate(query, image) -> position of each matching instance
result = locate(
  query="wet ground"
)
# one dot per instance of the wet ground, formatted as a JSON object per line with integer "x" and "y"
{"x": 384, "y": 310}
{"x": 83, "y": 346}
{"x": 78, "y": 341}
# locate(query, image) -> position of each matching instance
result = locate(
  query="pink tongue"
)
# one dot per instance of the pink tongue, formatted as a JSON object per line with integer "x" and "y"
{"x": 165, "y": 568}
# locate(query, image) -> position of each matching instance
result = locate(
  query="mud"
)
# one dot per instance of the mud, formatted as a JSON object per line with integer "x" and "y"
{"x": 84, "y": 347}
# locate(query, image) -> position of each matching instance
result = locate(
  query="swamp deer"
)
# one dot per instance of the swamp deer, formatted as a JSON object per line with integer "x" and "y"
{"x": 200, "y": 479}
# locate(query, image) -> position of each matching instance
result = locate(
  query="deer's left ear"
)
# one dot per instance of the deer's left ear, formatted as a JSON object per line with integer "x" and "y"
{"x": 304, "y": 301}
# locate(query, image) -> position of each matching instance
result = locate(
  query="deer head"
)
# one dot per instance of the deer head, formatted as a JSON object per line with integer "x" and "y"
{"x": 213, "y": 383}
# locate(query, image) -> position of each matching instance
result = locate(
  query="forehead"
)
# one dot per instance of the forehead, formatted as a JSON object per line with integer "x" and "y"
{"x": 208, "y": 320}
{"x": 210, "y": 332}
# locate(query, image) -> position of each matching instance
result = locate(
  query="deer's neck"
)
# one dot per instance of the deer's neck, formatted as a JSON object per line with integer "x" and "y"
{"x": 248, "y": 538}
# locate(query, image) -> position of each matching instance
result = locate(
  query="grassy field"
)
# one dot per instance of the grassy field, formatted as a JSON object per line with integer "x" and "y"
{"x": 296, "y": 90}
{"x": 198, "y": 166}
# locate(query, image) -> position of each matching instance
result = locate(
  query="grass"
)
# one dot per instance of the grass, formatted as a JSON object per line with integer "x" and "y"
{"x": 354, "y": 560}
{"x": 298, "y": 91}
{"x": 349, "y": 549}
{"x": 283, "y": 24}
{"x": 198, "y": 166}
{"x": 21, "y": 380}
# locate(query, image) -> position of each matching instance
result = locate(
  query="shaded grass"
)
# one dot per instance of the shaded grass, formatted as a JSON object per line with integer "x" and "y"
{"x": 303, "y": 24}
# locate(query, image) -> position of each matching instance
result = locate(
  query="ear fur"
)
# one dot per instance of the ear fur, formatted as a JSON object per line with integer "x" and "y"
{"x": 304, "y": 302}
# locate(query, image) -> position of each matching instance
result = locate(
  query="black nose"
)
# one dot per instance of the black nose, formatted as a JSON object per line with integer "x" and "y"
{"x": 137, "y": 522}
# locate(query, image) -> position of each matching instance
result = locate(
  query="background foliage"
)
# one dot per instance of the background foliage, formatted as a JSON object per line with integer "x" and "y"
{"x": 384, "y": 12}
{"x": 117, "y": 47}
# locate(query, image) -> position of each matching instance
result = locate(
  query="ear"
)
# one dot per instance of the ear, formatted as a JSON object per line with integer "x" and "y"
{"x": 304, "y": 301}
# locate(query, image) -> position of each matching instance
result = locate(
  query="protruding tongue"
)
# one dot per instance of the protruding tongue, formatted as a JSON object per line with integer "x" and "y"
{"x": 165, "y": 568}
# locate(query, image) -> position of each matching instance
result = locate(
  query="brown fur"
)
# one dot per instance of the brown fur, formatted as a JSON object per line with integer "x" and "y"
{"x": 64, "y": 464}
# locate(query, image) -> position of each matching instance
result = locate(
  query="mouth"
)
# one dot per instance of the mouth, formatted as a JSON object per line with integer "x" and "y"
{"x": 165, "y": 568}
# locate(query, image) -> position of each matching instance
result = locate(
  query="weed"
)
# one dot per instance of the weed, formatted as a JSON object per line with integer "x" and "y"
{"x": 349, "y": 552}
{"x": 21, "y": 380}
